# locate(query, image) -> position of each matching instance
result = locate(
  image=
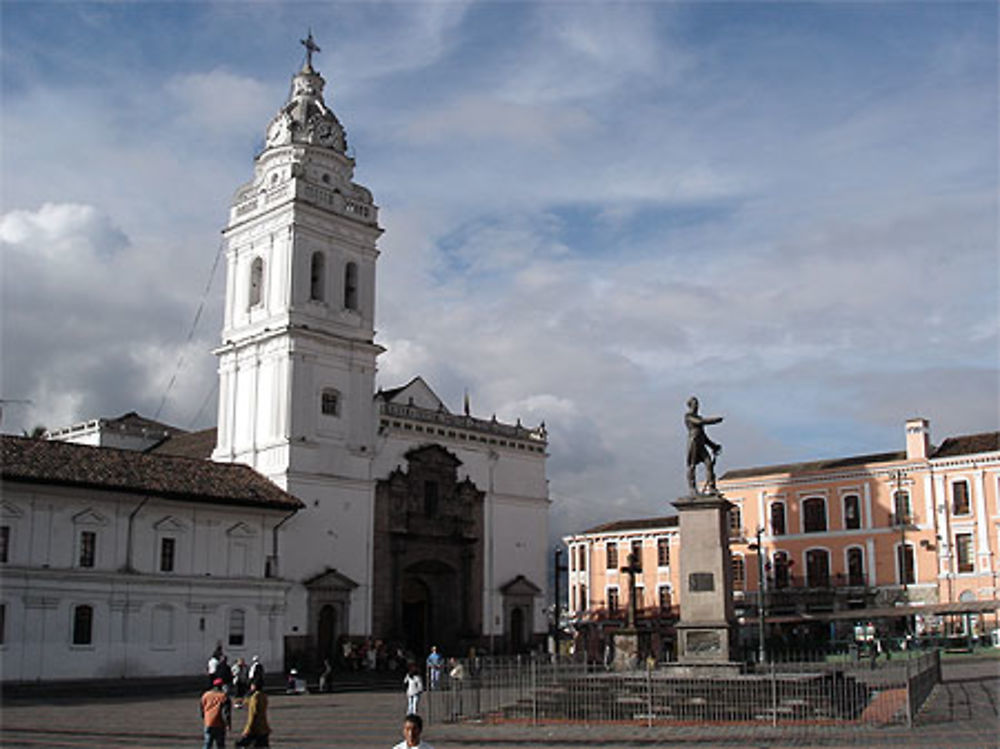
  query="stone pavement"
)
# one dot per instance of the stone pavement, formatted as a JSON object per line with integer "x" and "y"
{"x": 962, "y": 712}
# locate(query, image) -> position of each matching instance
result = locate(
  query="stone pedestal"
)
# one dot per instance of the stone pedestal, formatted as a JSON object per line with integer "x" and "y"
{"x": 626, "y": 650}
{"x": 705, "y": 629}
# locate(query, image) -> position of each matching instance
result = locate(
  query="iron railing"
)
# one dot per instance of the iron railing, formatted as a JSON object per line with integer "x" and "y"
{"x": 541, "y": 689}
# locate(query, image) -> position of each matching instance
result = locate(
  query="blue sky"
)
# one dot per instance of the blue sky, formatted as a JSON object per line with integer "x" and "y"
{"x": 592, "y": 211}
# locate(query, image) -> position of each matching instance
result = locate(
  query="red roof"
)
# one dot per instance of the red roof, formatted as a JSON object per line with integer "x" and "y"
{"x": 188, "y": 479}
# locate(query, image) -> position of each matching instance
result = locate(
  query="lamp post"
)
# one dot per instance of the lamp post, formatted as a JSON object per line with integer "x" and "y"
{"x": 559, "y": 569}
{"x": 758, "y": 547}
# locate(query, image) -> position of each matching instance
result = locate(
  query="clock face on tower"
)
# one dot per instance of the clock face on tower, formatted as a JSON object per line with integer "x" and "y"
{"x": 325, "y": 132}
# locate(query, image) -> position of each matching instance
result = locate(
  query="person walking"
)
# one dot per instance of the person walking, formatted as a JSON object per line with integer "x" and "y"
{"x": 256, "y": 732}
{"x": 216, "y": 713}
{"x": 414, "y": 688}
{"x": 413, "y": 727}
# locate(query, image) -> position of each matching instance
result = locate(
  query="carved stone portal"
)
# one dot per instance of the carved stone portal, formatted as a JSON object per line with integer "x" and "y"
{"x": 429, "y": 525}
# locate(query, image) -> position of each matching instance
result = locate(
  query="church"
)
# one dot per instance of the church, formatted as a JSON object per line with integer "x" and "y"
{"x": 393, "y": 517}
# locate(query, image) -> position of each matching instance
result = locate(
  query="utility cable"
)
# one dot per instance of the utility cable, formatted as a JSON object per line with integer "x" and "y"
{"x": 191, "y": 331}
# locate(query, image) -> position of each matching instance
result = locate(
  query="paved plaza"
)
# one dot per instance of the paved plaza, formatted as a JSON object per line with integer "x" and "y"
{"x": 962, "y": 712}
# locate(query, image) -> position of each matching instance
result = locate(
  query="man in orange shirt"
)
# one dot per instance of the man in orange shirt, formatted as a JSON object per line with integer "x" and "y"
{"x": 216, "y": 710}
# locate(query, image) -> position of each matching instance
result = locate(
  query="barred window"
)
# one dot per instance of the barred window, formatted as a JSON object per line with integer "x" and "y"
{"x": 88, "y": 548}
{"x": 612, "y": 555}
{"x": 739, "y": 573}
{"x": 612, "y": 600}
{"x": 663, "y": 552}
{"x": 778, "y": 518}
{"x": 167, "y": 549}
{"x": 852, "y": 512}
{"x": 963, "y": 549}
{"x": 237, "y": 627}
{"x": 814, "y": 515}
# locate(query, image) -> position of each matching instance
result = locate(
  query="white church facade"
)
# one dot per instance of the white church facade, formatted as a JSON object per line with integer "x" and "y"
{"x": 417, "y": 525}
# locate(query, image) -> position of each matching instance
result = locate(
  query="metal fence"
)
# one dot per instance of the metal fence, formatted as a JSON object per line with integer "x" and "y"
{"x": 539, "y": 690}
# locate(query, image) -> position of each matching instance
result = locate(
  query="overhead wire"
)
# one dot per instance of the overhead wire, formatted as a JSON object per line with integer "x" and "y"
{"x": 190, "y": 335}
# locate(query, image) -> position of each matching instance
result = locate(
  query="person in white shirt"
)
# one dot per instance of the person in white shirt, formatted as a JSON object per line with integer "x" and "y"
{"x": 413, "y": 726}
{"x": 414, "y": 686}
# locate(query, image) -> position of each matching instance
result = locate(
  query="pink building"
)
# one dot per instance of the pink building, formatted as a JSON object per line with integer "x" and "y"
{"x": 911, "y": 538}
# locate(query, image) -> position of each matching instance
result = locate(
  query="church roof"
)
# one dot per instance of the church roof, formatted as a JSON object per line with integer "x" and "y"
{"x": 969, "y": 444}
{"x": 67, "y": 464}
{"x": 188, "y": 444}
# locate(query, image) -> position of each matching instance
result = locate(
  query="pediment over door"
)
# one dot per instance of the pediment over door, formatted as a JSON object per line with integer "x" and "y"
{"x": 520, "y": 586}
{"x": 330, "y": 580}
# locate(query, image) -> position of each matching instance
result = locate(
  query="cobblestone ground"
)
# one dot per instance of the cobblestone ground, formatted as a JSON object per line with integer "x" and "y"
{"x": 962, "y": 712}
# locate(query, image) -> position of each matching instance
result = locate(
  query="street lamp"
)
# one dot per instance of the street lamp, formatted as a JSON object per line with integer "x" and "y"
{"x": 559, "y": 569}
{"x": 758, "y": 547}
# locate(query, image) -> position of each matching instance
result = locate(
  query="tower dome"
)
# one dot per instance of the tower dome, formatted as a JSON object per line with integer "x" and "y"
{"x": 305, "y": 118}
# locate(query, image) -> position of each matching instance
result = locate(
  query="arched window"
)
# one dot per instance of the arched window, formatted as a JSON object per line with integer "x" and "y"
{"x": 855, "y": 567}
{"x": 781, "y": 566}
{"x": 351, "y": 286}
{"x": 237, "y": 627}
{"x": 256, "y": 282}
{"x": 852, "y": 512}
{"x": 778, "y": 519}
{"x": 818, "y": 568}
{"x": 83, "y": 625}
{"x": 317, "y": 277}
{"x": 814, "y": 515}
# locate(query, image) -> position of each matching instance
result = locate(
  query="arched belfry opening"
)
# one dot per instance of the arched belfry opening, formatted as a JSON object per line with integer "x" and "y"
{"x": 429, "y": 525}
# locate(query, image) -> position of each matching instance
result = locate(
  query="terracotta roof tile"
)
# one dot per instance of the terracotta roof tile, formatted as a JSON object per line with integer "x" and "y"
{"x": 669, "y": 521}
{"x": 188, "y": 479}
{"x": 969, "y": 444}
{"x": 188, "y": 445}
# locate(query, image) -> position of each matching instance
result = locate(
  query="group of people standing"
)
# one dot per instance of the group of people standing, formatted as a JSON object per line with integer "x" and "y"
{"x": 246, "y": 685}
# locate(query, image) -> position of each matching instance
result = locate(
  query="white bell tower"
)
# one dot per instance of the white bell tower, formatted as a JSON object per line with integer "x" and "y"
{"x": 297, "y": 360}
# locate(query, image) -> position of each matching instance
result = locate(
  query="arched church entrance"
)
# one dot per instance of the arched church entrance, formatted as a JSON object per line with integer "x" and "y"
{"x": 431, "y": 610}
{"x": 326, "y": 633}
{"x": 416, "y": 614}
{"x": 517, "y": 630}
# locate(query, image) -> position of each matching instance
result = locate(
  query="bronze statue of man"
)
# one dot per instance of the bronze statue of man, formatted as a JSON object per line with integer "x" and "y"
{"x": 701, "y": 449}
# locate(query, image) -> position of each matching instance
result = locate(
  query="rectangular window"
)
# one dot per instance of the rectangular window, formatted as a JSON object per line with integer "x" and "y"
{"x": 960, "y": 498}
{"x": 583, "y": 597}
{"x": 640, "y": 597}
{"x": 3, "y": 623}
{"x": 905, "y": 565}
{"x": 664, "y": 595}
{"x": 735, "y": 522}
{"x": 583, "y": 558}
{"x": 612, "y": 600}
{"x": 611, "y": 549}
{"x": 330, "y": 403}
{"x": 167, "y": 547}
{"x": 4, "y": 544}
{"x": 963, "y": 549}
{"x": 852, "y": 512}
{"x": 778, "y": 519}
{"x": 663, "y": 552}
{"x": 739, "y": 573}
{"x": 83, "y": 625}
{"x": 637, "y": 553}
{"x": 237, "y": 627}
{"x": 88, "y": 548}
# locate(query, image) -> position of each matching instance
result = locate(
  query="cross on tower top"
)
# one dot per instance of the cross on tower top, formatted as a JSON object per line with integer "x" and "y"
{"x": 311, "y": 47}
{"x": 633, "y": 567}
